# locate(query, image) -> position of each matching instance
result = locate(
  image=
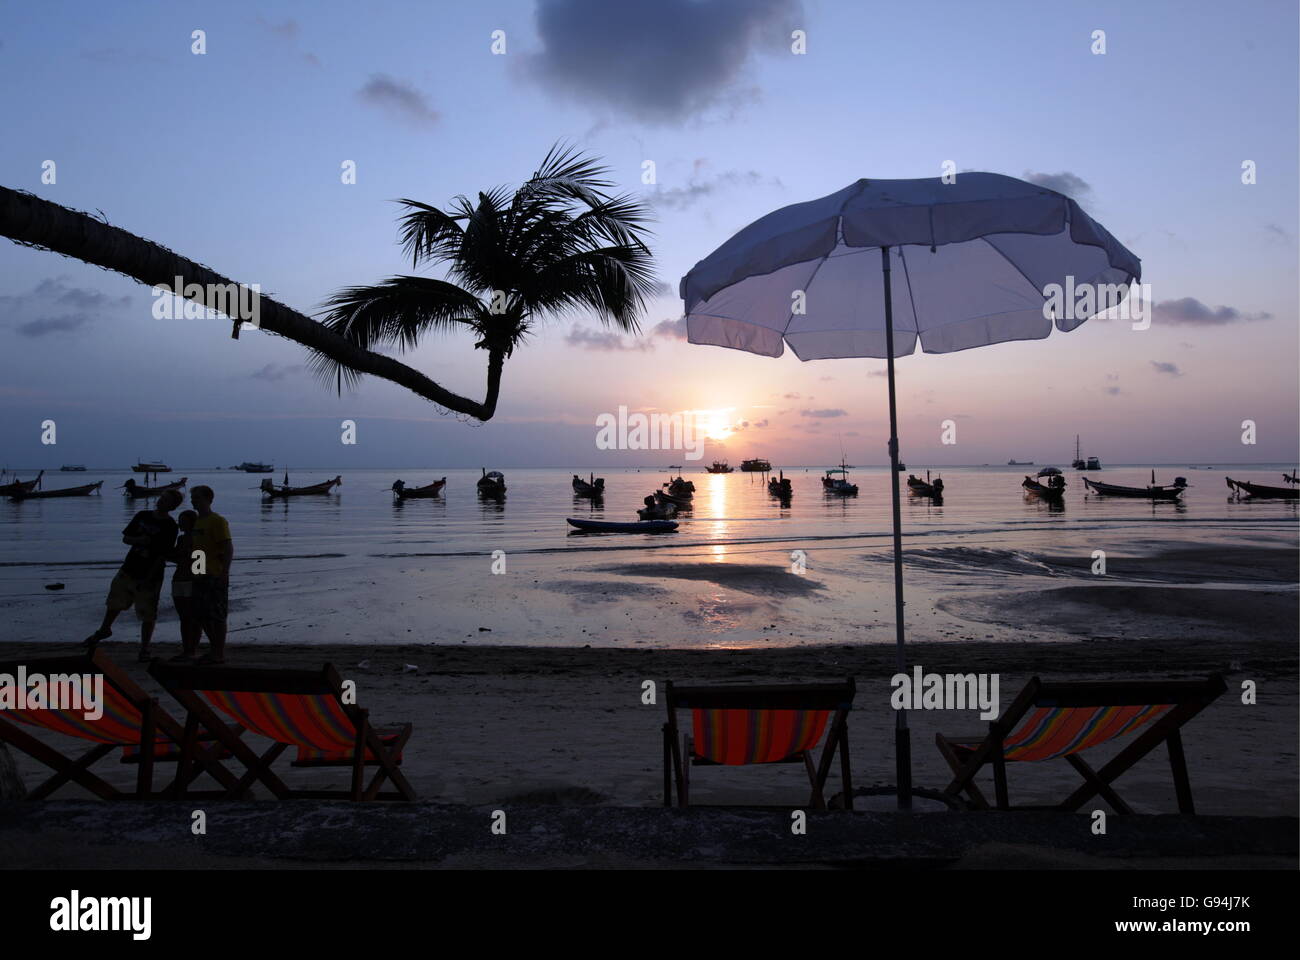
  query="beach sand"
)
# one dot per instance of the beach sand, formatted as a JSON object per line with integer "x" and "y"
{"x": 502, "y": 725}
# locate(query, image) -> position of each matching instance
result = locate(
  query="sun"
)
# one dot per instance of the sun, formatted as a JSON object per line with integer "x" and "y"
{"x": 715, "y": 424}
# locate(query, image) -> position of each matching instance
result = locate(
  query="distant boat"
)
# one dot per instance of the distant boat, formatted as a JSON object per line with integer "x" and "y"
{"x": 134, "y": 490}
{"x": 426, "y": 492}
{"x": 492, "y": 484}
{"x": 719, "y": 466}
{"x": 836, "y": 482}
{"x": 269, "y": 489}
{"x": 250, "y": 467}
{"x": 780, "y": 487}
{"x": 1262, "y": 491}
{"x": 154, "y": 466}
{"x": 592, "y": 489}
{"x": 65, "y": 492}
{"x": 924, "y": 488}
{"x": 1092, "y": 463}
{"x": 17, "y": 487}
{"x": 756, "y": 466}
{"x": 72, "y": 468}
{"x": 1020, "y": 463}
{"x": 901, "y": 466}
{"x": 1154, "y": 492}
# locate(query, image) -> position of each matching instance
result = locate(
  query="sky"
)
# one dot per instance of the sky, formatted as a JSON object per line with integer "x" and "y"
{"x": 233, "y": 158}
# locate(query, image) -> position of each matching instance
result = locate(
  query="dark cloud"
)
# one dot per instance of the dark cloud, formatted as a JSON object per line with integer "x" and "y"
{"x": 760, "y": 424}
{"x": 662, "y": 64}
{"x": 1064, "y": 182}
{"x": 56, "y": 306}
{"x": 670, "y": 329}
{"x": 823, "y": 414}
{"x": 680, "y": 198}
{"x": 274, "y": 372}
{"x": 1169, "y": 368}
{"x": 605, "y": 340}
{"x": 1191, "y": 312}
{"x": 398, "y": 98}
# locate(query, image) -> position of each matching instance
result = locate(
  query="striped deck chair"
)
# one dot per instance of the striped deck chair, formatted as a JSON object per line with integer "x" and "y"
{"x": 1051, "y": 720}
{"x": 740, "y": 725}
{"x": 132, "y": 721}
{"x": 304, "y": 709}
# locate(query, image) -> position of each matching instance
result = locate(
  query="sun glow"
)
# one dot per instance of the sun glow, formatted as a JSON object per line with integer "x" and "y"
{"x": 715, "y": 424}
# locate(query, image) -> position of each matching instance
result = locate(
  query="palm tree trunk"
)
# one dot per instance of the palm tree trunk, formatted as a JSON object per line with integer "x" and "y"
{"x": 34, "y": 222}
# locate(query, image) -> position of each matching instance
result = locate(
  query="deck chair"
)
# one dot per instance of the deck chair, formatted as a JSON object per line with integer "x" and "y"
{"x": 738, "y": 725}
{"x": 305, "y": 709}
{"x": 132, "y": 721}
{"x": 1051, "y": 720}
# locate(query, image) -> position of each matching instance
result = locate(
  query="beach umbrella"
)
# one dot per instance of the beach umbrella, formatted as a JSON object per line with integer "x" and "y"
{"x": 1050, "y": 472}
{"x": 881, "y": 266}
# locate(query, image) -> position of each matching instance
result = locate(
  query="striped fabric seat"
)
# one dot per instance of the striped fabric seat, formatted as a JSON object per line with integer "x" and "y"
{"x": 314, "y": 723}
{"x": 1050, "y": 732}
{"x": 737, "y": 737}
{"x": 120, "y": 723}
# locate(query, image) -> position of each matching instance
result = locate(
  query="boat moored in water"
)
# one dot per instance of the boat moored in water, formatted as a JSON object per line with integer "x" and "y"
{"x": 779, "y": 487}
{"x": 1156, "y": 491}
{"x": 836, "y": 482}
{"x": 1262, "y": 491}
{"x": 17, "y": 487}
{"x": 73, "y": 468}
{"x": 426, "y": 492}
{"x": 925, "y": 488}
{"x": 249, "y": 466}
{"x": 269, "y": 489}
{"x": 592, "y": 489}
{"x": 151, "y": 466}
{"x": 615, "y": 526}
{"x": 83, "y": 491}
{"x": 757, "y": 465}
{"x": 492, "y": 484}
{"x": 134, "y": 490}
{"x": 718, "y": 466}
{"x": 1052, "y": 491}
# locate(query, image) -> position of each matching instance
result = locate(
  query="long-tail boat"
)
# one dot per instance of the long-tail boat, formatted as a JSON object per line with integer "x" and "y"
{"x": 1263, "y": 491}
{"x": 679, "y": 488}
{"x": 1156, "y": 491}
{"x": 492, "y": 484}
{"x": 269, "y": 489}
{"x": 1053, "y": 491}
{"x": 21, "y": 486}
{"x": 83, "y": 491}
{"x": 925, "y": 488}
{"x": 134, "y": 490}
{"x": 836, "y": 482}
{"x": 780, "y": 487}
{"x": 592, "y": 489}
{"x": 426, "y": 492}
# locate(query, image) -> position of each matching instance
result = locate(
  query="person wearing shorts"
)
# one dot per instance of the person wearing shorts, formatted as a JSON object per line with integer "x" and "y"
{"x": 211, "y": 541}
{"x": 183, "y": 588}
{"x": 151, "y": 534}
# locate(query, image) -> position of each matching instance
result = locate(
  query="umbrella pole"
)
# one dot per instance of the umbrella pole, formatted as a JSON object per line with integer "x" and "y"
{"x": 902, "y": 735}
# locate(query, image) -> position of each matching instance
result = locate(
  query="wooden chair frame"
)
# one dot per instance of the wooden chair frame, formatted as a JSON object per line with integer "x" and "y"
{"x": 154, "y": 720}
{"x": 1188, "y": 697}
{"x": 183, "y": 682}
{"x": 679, "y": 755}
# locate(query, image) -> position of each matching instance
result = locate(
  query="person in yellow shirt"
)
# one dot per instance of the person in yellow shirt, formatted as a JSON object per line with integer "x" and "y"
{"x": 214, "y": 551}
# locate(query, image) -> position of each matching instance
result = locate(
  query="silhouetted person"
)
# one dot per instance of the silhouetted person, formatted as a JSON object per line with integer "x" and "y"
{"x": 212, "y": 586}
{"x": 151, "y": 534}
{"x": 183, "y": 587}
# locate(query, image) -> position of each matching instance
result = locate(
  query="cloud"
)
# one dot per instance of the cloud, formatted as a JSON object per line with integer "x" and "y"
{"x": 686, "y": 56}
{"x": 670, "y": 329}
{"x": 823, "y": 414}
{"x": 274, "y": 372}
{"x": 1169, "y": 368}
{"x": 56, "y": 306}
{"x": 1113, "y": 391}
{"x": 399, "y": 99}
{"x": 605, "y": 340}
{"x": 1191, "y": 312}
{"x": 680, "y": 198}
{"x": 790, "y": 396}
{"x": 1070, "y": 184}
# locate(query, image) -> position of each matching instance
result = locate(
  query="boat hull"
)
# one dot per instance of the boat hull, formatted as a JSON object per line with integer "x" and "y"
{"x": 1263, "y": 491}
{"x": 137, "y": 493}
{"x": 1133, "y": 493}
{"x": 1043, "y": 492}
{"x": 83, "y": 491}
{"x": 427, "y": 492}
{"x": 613, "y": 526}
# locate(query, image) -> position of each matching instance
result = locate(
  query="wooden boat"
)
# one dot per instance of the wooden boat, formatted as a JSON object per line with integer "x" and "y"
{"x": 1052, "y": 491}
{"x": 756, "y": 466}
{"x": 151, "y": 467}
{"x": 657, "y": 510}
{"x": 592, "y": 489}
{"x": 780, "y": 487}
{"x": 491, "y": 484}
{"x": 614, "y": 526}
{"x": 719, "y": 466}
{"x": 72, "y": 468}
{"x": 426, "y": 492}
{"x": 21, "y": 486}
{"x": 680, "y": 489}
{"x": 1154, "y": 492}
{"x": 836, "y": 482}
{"x": 134, "y": 490}
{"x": 65, "y": 492}
{"x": 1092, "y": 463}
{"x": 1263, "y": 491}
{"x": 681, "y": 503}
{"x": 249, "y": 467}
{"x": 269, "y": 489}
{"x": 924, "y": 488}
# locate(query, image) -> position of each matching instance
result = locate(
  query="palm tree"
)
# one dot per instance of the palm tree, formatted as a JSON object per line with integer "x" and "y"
{"x": 559, "y": 242}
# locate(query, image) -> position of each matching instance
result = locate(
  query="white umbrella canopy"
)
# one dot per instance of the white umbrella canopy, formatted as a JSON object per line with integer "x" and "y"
{"x": 881, "y": 266}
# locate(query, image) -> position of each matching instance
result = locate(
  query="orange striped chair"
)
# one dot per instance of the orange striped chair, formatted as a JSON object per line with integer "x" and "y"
{"x": 303, "y": 709}
{"x": 131, "y": 721}
{"x": 742, "y": 725}
{"x": 1061, "y": 720}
